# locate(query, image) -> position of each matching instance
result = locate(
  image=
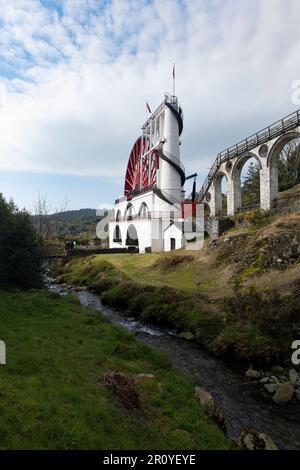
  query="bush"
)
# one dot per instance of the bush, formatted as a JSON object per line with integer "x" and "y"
{"x": 258, "y": 324}
{"x": 257, "y": 218}
{"x": 21, "y": 257}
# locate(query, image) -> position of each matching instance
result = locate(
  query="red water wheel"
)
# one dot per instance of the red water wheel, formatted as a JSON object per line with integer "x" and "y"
{"x": 142, "y": 166}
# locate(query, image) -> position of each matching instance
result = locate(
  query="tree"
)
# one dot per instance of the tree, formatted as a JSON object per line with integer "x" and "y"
{"x": 250, "y": 188}
{"x": 21, "y": 260}
{"x": 289, "y": 165}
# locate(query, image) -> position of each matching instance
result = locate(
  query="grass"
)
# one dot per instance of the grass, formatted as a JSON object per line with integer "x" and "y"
{"x": 294, "y": 190}
{"x": 146, "y": 269}
{"x": 190, "y": 290}
{"x": 51, "y": 395}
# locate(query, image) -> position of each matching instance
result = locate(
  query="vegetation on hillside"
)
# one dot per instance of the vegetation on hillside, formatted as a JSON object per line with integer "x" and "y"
{"x": 67, "y": 224}
{"x": 237, "y": 296}
{"x": 52, "y": 393}
{"x": 20, "y": 249}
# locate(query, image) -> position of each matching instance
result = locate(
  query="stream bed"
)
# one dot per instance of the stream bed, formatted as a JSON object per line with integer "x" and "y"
{"x": 242, "y": 402}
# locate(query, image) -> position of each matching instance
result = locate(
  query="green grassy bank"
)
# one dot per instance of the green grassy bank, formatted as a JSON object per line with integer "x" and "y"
{"x": 199, "y": 293}
{"x": 51, "y": 393}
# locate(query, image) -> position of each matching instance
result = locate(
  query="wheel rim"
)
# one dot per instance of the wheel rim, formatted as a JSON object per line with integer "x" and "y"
{"x": 142, "y": 167}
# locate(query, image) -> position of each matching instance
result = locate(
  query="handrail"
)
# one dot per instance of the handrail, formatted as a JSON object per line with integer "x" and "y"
{"x": 288, "y": 123}
{"x": 171, "y": 100}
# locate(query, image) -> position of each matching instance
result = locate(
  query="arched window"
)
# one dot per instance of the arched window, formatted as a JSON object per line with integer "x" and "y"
{"x": 132, "y": 237}
{"x": 144, "y": 211}
{"x": 117, "y": 235}
{"x": 118, "y": 216}
{"x": 129, "y": 212}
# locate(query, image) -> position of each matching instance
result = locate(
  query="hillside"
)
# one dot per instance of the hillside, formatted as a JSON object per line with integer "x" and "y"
{"x": 238, "y": 295}
{"x": 72, "y": 223}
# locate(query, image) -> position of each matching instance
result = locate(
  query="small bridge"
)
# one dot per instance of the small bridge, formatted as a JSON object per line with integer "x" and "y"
{"x": 265, "y": 146}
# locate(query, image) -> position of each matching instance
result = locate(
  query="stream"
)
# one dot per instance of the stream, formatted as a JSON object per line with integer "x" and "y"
{"x": 242, "y": 402}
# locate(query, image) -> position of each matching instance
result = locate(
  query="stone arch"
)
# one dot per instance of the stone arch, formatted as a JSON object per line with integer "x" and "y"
{"x": 118, "y": 215}
{"x": 130, "y": 212}
{"x": 218, "y": 191}
{"x": 272, "y": 161}
{"x": 206, "y": 209}
{"x": 144, "y": 211}
{"x": 132, "y": 236}
{"x": 117, "y": 237}
{"x": 236, "y": 178}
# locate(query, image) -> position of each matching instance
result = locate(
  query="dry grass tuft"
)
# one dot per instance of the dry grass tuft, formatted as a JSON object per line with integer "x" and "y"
{"x": 124, "y": 387}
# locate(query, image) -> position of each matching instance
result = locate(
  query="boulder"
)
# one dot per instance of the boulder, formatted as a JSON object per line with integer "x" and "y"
{"x": 186, "y": 335}
{"x": 283, "y": 392}
{"x": 293, "y": 375}
{"x": 146, "y": 376}
{"x": 204, "y": 397}
{"x": 270, "y": 387}
{"x": 252, "y": 373}
{"x": 264, "y": 380}
{"x": 250, "y": 439}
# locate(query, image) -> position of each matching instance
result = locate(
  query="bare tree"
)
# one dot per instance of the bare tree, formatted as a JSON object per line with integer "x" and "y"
{"x": 42, "y": 209}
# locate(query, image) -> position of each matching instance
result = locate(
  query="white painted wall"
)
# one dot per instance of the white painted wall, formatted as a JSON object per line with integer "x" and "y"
{"x": 172, "y": 232}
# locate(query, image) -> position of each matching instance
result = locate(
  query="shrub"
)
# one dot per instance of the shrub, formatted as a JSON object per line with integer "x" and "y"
{"x": 257, "y": 218}
{"x": 21, "y": 257}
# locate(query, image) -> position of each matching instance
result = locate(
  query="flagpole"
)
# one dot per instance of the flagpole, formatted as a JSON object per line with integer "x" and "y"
{"x": 173, "y": 78}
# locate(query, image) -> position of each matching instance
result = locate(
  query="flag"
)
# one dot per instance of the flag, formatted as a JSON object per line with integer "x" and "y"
{"x": 174, "y": 71}
{"x": 148, "y": 107}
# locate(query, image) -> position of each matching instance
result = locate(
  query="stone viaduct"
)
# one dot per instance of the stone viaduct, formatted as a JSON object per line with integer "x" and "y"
{"x": 265, "y": 146}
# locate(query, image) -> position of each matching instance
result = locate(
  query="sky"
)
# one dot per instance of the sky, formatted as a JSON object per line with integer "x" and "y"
{"x": 75, "y": 75}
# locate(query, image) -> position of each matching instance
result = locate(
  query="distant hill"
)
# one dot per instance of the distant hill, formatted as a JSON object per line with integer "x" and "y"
{"x": 69, "y": 223}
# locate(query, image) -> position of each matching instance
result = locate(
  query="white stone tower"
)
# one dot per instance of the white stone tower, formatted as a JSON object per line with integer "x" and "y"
{"x": 153, "y": 183}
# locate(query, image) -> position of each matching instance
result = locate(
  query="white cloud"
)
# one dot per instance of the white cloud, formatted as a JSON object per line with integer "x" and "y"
{"x": 73, "y": 91}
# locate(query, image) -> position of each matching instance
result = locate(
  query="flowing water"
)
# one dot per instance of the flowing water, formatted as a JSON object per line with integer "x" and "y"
{"x": 243, "y": 403}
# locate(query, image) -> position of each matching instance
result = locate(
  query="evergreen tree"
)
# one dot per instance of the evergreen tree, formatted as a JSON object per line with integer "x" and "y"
{"x": 20, "y": 250}
{"x": 250, "y": 188}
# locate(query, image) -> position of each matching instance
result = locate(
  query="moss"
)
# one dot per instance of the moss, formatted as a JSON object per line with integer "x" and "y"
{"x": 256, "y": 267}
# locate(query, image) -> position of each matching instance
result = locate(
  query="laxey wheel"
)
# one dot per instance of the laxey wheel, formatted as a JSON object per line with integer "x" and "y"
{"x": 142, "y": 166}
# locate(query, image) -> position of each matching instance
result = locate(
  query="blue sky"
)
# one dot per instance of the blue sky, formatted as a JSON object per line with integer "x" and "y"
{"x": 75, "y": 75}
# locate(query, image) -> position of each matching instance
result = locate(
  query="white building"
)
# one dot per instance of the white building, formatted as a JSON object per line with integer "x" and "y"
{"x": 153, "y": 194}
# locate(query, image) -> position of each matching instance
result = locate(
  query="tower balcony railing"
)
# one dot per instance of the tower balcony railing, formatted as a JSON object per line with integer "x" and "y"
{"x": 168, "y": 98}
{"x": 151, "y": 215}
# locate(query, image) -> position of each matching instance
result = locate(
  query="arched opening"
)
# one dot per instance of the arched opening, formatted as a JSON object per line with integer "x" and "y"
{"x": 221, "y": 194}
{"x": 246, "y": 180}
{"x": 118, "y": 216}
{"x": 284, "y": 164}
{"x": 206, "y": 210}
{"x": 129, "y": 212}
{"x": 117, "y": 235}
{"x": 132, "y": 237}
{"x": 144, "y": 211}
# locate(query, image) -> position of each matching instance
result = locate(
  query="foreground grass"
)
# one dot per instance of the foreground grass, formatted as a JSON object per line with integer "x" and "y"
{"x": 51, "y": 395}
